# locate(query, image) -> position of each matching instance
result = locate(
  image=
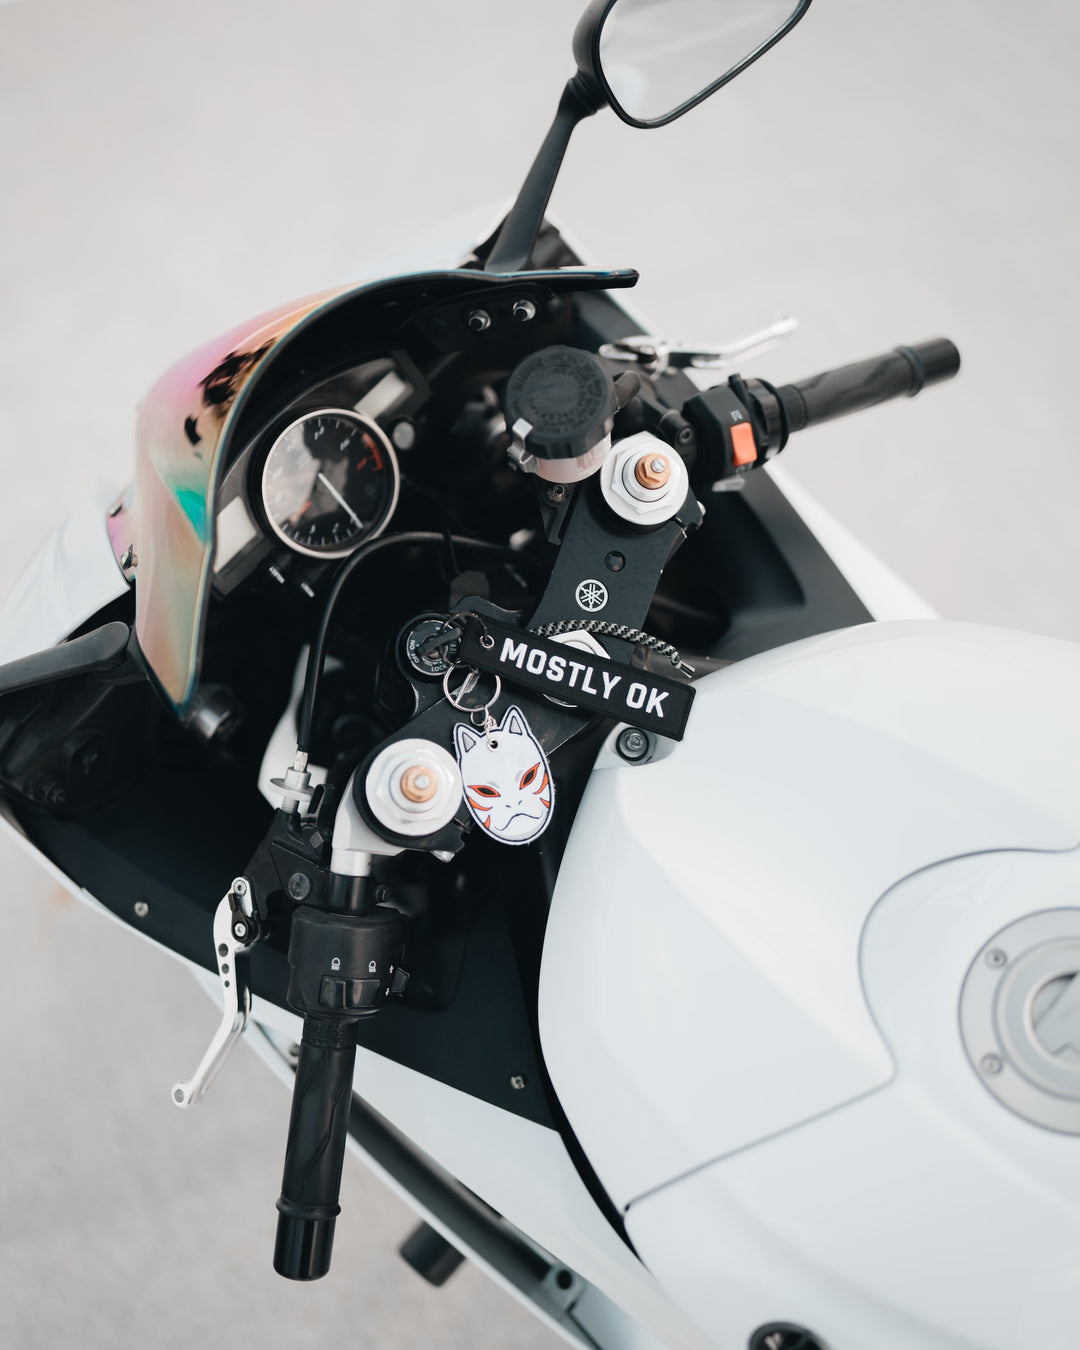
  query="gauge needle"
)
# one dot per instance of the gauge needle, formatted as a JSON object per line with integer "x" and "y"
{"x": 340, "y": 499}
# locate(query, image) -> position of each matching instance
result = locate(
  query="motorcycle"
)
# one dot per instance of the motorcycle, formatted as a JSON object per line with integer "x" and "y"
{"x": 562, "y": 527}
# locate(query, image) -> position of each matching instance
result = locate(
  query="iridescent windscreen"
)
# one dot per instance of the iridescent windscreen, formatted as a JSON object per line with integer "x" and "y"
{"x": 163, "y": 533}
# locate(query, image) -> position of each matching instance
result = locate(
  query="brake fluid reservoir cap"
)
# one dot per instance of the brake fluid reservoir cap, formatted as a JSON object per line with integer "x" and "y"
{"x": 567, "y": 398}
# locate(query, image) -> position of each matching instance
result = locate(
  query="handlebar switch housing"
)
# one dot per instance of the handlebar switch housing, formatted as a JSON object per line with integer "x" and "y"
{"x": 732, "y": 434}
{"x": 343, "y": 965}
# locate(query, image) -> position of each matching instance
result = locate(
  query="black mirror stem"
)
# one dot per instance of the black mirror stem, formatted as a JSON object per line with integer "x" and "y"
{"x": 512, "y": 249}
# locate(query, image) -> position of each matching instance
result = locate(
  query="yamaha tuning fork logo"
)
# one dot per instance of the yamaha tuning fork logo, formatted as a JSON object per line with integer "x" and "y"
{"x": 591, "y": 595}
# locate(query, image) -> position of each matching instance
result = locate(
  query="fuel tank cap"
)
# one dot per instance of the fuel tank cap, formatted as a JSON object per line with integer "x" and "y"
{"x": 1020, "y": 1018}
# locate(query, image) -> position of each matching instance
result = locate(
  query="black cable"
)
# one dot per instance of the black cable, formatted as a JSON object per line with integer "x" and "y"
{"x": 317, "y": 654}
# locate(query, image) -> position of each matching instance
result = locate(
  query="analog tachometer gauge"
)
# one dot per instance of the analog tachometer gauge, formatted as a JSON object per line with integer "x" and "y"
{"x": 329, "y": 482}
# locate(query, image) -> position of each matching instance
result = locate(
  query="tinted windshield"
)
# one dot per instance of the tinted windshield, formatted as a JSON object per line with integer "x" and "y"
{"x": 204, "y": 409}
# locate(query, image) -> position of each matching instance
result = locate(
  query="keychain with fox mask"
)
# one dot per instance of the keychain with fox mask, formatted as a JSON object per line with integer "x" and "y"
{"x": 506, "y": 778}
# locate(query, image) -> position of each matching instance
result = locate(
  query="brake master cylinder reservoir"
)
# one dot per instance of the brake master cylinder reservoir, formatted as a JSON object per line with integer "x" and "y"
{"x": 560, "y": 407}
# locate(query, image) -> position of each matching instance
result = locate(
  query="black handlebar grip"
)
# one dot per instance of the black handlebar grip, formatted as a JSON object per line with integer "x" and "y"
{"x": 899, "y": 373}
{"x": 322, "y": 1094}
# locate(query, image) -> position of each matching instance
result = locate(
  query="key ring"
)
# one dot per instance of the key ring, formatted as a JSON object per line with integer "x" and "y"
{"x": 480, "y": 714}
{"x": 471, "y": 681}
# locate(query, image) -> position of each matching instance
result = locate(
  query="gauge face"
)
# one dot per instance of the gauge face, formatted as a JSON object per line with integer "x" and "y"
{"x": 329, "y": 482}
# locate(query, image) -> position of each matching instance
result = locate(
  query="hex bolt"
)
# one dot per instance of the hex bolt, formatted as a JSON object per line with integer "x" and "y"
{"x": 142, "y": 909}
{"x": 299, "y": 886}
{"x": 239, "y": 930}
{"x": 632, "y": 745}
{"x": 652, "y": 471}
{"x": 614, "y": 561}
{"x": 240, "y": 886}
{"x": 996, "y": 957}
{"x": 555, "y": 493}
{"x": 524, "y": 310}
{"x": 418, "y": 783}
{"x": 479, "y": 320}
{"x": 990, "y": 1064}
{"x": 518, "y": 1082}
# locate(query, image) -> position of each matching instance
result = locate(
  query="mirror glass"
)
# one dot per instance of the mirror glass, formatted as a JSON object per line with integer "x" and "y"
{"x": 658, "y": 55}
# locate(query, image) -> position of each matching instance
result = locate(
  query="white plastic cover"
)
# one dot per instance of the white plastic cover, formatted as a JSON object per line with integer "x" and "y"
{"x": 700, "y": 988}
{"x": 72, "y": 576}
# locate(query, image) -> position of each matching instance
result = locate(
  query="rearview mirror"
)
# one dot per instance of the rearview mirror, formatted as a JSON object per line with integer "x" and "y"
{"x": 651, "y": 60}
{"x": 656, "y": 59}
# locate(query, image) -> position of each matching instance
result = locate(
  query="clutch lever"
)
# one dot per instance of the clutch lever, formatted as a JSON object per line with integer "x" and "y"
{"x": 655, "y": 356}
{"x": 236, "y": 930}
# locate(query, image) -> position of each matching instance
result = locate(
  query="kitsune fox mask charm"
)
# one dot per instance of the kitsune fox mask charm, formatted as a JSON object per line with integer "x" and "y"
{"x": 507, "y": 781}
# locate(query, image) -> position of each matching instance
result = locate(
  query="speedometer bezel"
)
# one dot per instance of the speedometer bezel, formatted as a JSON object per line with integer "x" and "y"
{"x": 278, "y": 432}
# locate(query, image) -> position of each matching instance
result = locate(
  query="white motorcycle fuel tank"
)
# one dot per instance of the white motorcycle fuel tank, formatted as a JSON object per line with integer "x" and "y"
{"x": 751, "y": 993}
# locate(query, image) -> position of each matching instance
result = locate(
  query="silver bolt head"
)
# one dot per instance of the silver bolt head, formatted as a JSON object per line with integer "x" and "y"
{"x": 142, "y": 909}
{"x": 996, "y": 957}
{"x": 479, "y": 320}
{"x": 524, "y": 310}
{"x": 403, "y": 435}
{"x": 632, "y": 744}
{"x": 518, "y": 1082}
{"x": 990, "y": 1064}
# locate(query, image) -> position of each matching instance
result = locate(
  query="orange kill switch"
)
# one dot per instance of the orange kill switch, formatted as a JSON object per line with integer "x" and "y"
{"x": 742, "y": 443}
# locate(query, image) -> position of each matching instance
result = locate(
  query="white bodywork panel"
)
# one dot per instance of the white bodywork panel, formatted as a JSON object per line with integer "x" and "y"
{"x": 942, "y": 1219}
{"x": 71, "y": 577}
{"x": 700, "y": 988}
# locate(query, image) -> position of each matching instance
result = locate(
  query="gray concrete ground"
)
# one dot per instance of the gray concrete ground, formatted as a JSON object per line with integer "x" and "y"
{"x": 889, "y": 173}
